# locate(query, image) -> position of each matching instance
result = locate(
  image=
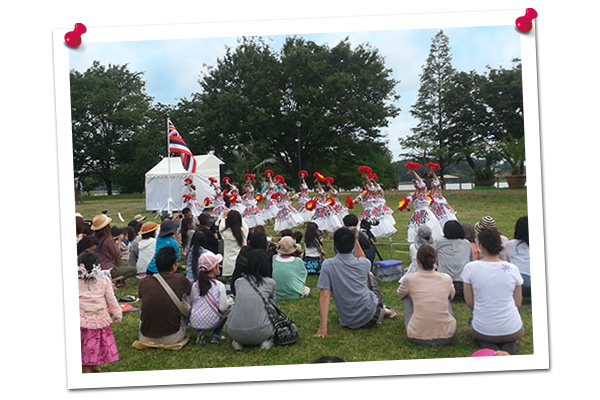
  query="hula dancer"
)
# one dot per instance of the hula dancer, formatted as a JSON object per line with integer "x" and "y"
{"x": 287, "y": 216}
{"x": 440, "y": 206}
{"x": 251, "y": 214}
{"x": 422, "y": 215}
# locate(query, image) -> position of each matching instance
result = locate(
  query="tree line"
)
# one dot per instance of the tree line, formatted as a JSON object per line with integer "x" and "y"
{"x": 307, "y": 106}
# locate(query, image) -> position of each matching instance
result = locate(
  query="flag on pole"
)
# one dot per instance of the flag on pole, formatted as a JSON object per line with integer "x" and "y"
{"x": 177, "y": 145}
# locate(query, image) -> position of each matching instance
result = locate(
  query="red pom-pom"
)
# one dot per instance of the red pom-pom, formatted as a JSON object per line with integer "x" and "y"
{"x": 233, "y": 198}
{"x": 259, "y": 197}
{"x": 279, "y": 178}
{"x": 310, "y": 205}
{"x": 214, "y": 180}
{"x": 434, "y": 166}
{"x": 187, "y": 197}
{"x": 363, "y": 169}
{"x": 330, "y": 200}
{"x": 329, "y": 179}
{"x": 373, "y": 176}
{"x": 319, "y": 176}
{"x": 349, "y": 202}
{"x": 303, "y": 174}
{"x": 412, "y": 165}
{"x": 269, "y": 173}
{"x": 249, "y": 177}
{"x": 276, "y": 195}
{"x": 430, "y": 199}
{"x": 188, "y": 180}
{"x": 207, "y": 201}
{"x": 403, "y": 204}
{"x": 227, "y": 179}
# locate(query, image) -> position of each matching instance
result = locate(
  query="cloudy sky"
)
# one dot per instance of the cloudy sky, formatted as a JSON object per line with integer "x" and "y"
{"x": 172, "y": 67}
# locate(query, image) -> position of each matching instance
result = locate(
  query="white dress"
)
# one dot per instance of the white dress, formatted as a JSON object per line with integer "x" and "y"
{"x": 422, "y": 215}
{"x": 252, "y": 214}
{"x": 324, "y": 216}
{"x": 440, "y": 207}
{"x": 270, "y": 210}
{"x": 338, "y": 208}
{"x": 219, "y": 208}
{"x": 192, "y": 203}
{"x": 238, "y": 205}
{"x": 373, "y": 212}
{"x": 287, "y": 216}
{"x": 304, "y": 198}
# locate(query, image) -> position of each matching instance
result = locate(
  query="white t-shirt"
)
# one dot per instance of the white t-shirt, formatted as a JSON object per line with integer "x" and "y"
{"x": 517, "y": 252}
{"x": 495, "y": 312}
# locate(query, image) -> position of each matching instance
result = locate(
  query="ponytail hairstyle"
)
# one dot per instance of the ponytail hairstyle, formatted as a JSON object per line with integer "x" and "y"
{"x": 204, "y": 281}
{"x": 489, "y": 239}
{"x": 427, "y": 256}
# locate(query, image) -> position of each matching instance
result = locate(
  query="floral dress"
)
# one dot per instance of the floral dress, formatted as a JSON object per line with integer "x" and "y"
{"x": 287, "y": 217}
{"x": 340, "y": 209}
{"x": 219, "y": 207}
{"x": 324, "y": 216}
{"x": 304, "y": 198}
{"x": 441, "y": 208}
{"x": 252, "y": 214}
{"x": 270, "y": 210}
{"x": 422, "y": 215}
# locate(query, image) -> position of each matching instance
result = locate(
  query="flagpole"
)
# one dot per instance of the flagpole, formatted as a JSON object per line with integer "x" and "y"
{"x": 169, "y": 170}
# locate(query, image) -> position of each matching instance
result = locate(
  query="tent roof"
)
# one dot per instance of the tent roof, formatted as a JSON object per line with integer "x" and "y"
{"x": 205, "y": 164}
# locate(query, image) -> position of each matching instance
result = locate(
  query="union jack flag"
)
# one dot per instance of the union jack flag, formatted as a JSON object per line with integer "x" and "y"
{"x": 177, "y": 145}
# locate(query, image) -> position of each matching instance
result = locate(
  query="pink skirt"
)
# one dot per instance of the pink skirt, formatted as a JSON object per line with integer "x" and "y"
{"x": 98, "y": 346}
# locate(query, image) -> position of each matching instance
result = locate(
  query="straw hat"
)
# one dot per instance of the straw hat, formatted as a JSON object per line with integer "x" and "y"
{"x": 148, "y": 227}
{"x": 100, "y": 221}
{"x": 287, "y": 245}
{"x": 486, "y": 222}
{"x": 139, "y": 217}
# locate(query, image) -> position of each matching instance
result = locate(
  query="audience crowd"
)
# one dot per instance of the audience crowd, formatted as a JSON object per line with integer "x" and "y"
{"x": 213, "y": 277}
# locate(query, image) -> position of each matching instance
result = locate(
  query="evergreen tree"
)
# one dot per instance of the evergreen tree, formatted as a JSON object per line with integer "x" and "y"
{"x": 432, "y": 137}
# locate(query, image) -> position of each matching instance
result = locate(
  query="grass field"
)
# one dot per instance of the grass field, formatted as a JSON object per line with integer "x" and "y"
{"x": 385, "y": 342}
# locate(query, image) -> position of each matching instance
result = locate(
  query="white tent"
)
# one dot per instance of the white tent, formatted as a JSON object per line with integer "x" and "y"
{"x": 157, "y": 181}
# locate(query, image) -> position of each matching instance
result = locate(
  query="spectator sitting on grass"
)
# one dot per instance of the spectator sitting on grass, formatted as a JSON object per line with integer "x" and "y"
{"x": 517, "y": 252}
{"x": 348, "y": 279}
{"x": 427, "y": 294}
{"x": 161, "y": 322}
{"x": 146, "y": 247}
{"x": 453, "y": 253}
{"x": 165, "y": 239}
{"x": 289, "y": 271}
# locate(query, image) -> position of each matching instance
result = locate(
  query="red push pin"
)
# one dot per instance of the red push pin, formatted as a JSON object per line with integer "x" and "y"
{"x": 73, "y": 38}
{"x": 524, "y": 23}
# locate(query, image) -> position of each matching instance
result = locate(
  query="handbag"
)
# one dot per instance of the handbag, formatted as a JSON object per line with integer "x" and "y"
{"x": 183, "y": 305}
{"x": 286, "y": 331}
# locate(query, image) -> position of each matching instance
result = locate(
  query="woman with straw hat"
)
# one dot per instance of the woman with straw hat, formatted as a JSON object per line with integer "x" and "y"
{"x": 288, "y": 271}
{"x": 108, "y": 248}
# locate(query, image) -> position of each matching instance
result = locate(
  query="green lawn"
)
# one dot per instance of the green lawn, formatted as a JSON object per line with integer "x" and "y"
{"x": 385, "y": 342}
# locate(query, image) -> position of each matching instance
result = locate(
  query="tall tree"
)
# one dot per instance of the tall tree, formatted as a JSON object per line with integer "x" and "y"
{"x": 502, "y": 91}
{"x": 341, "y": 97}
{"x": 108, "y": 106}
{"x": 433, "y": 134}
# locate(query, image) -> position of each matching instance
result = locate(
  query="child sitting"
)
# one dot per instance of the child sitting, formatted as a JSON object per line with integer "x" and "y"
{"x": 209, "y": 298}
